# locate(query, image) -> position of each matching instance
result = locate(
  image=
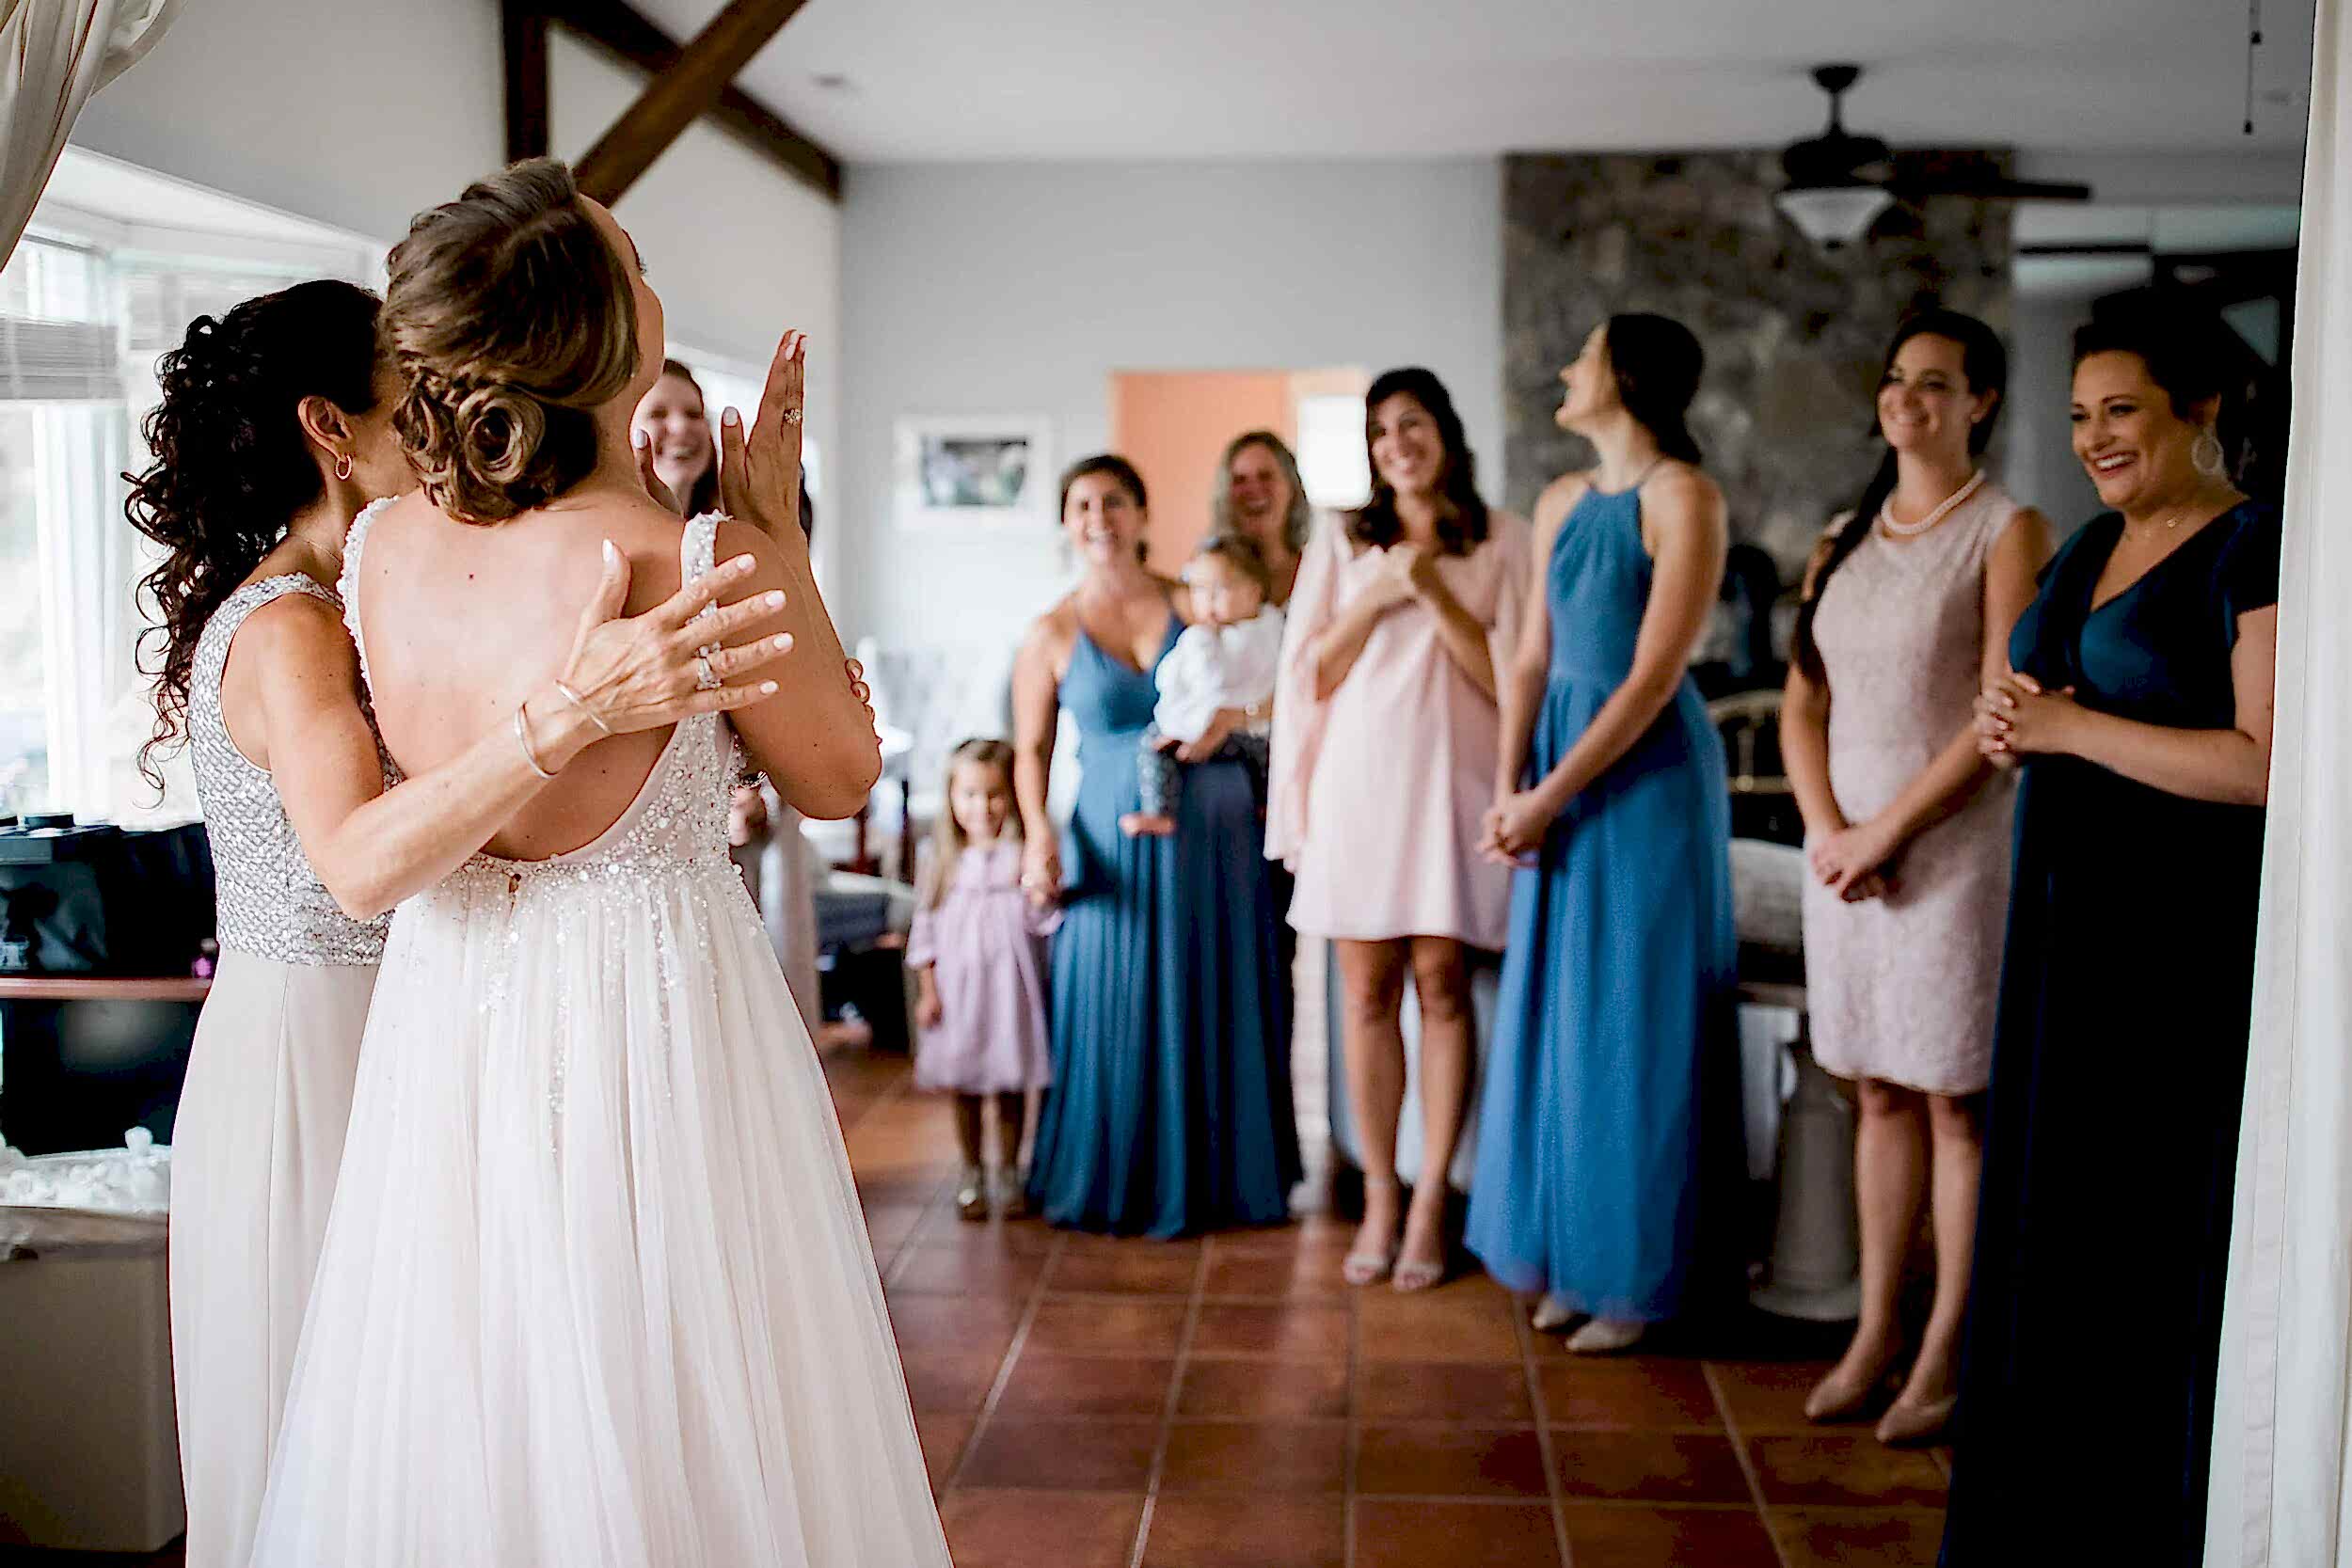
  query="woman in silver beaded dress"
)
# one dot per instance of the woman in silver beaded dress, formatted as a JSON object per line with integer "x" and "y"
{"x": 272, "y": 432}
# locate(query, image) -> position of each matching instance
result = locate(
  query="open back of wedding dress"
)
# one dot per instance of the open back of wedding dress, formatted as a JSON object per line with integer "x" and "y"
{"x": 595, "y": 1291}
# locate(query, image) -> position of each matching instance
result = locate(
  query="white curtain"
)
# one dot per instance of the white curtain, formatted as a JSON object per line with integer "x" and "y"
{"x": 54, "y": 53}
{"x": 2279, "y": 1498}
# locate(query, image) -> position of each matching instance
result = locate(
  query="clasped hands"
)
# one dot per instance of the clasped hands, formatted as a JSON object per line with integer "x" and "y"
{"x": 2018, "y": 717}
{"x": 1851, "y": 861}
{"x": 1406, "y": 572}
{"x": 1513, "y": 829}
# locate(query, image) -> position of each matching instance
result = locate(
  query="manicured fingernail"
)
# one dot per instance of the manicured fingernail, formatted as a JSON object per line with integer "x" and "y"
{"x": 730, "y": 417}
{"x": 740, "y": 563}
{"x": 641, "y": 440}
{"x": 773, "y": 599}
{"x": 769, "y": 688}
{"x": 611, "y": 552}
{"x": 782, "y": 641}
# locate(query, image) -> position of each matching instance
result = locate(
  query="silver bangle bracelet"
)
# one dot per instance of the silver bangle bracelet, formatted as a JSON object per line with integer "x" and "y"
{"x": 586, "y": 712}
{"x": 522, "y": 739}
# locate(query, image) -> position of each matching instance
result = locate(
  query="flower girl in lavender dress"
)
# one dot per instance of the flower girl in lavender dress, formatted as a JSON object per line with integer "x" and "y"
{"x": 978, "y": 955}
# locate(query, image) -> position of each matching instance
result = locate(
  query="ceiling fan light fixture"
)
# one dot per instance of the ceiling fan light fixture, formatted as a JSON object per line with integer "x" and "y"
{"x": 1833, "y": 216}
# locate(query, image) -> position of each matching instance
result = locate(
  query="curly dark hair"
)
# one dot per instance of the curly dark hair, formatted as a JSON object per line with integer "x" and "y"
{"x": 233, "y": 464}
{"x": 1462, "y": 523}
{"x": 511, "y": 319}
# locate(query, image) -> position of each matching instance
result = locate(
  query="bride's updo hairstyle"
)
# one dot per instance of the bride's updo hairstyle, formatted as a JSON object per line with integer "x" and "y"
{"x": 511, "y": 321}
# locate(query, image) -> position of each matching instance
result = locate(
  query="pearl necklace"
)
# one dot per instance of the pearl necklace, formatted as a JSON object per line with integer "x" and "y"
{"x": 1912, "y": 530}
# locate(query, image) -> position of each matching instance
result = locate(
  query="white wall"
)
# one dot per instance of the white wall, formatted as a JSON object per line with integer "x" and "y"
{"x": 351, "y": 112}
{"x": 2039, "y": 466}
{"x": 1018, "y": 289}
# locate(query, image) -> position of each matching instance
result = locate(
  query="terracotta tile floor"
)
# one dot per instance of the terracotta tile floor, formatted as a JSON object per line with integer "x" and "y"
{"x": 1089, "y": 1403}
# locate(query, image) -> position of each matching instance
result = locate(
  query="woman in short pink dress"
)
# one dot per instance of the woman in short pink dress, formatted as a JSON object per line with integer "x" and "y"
{"x": 1383, "y": 759}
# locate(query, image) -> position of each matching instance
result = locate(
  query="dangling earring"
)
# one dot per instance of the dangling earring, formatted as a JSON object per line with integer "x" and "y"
{"x": 342, "y": 467}
{"x": 2208, "y": 456}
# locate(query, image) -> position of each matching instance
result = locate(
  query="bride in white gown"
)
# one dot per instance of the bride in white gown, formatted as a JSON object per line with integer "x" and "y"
{"x": 596, "y": 1291}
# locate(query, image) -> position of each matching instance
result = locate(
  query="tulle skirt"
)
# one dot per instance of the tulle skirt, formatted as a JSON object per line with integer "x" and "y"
{"x": 596, "y": 1293}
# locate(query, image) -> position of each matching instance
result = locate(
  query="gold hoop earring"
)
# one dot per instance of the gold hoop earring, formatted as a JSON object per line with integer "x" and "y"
{"x": 342, "y": 467}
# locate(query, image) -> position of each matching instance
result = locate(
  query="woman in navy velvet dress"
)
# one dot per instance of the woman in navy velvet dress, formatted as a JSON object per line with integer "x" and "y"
{"x": 1602, "y": 1122}
{"x": 1170, "y": 1111}
{"x": 2140, "y": 709}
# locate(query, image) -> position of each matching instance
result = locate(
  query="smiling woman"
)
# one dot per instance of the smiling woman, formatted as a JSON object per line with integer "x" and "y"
{"x": 1383, "y": 757}
{"x": 675, "y": 418}
{"x": 2140, "y": 717}
{"x": 1907, "y": 611}
{"x": 1172, "y": 1106}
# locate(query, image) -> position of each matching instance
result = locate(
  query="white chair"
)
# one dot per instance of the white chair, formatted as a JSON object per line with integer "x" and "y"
{"x": 935, "y": 696}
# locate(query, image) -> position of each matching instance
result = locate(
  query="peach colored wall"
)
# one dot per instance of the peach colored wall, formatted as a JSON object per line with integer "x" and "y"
{"x": 1173, "y": 426}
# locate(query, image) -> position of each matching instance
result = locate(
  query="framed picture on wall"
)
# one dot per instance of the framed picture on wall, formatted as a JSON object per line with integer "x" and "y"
{"x": 973, "y": 470}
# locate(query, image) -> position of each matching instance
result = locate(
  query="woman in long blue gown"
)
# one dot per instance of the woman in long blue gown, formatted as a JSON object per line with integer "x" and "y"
{"x": 1170, "y": 1112}
{"x": 1610, "y": 1099}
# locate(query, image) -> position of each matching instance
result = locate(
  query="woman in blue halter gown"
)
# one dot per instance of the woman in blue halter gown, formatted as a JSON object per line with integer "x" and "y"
{"x": 1601, "y": 1121}
{"x": 1170, "y": 1111}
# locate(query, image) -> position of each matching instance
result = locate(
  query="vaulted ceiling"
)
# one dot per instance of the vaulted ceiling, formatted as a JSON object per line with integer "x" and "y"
{"x": 921, "y": 80}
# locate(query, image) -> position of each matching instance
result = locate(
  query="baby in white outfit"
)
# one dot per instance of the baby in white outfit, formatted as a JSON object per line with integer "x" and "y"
{"x": 1226, "y": 658}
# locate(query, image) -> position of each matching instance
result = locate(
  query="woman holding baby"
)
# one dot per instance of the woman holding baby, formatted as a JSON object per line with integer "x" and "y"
{"x": 1170, "y": 1112}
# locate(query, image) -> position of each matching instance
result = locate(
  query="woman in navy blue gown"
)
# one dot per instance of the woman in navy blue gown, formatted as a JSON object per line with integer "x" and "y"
{"x": 2140, "y": 710}
{"x": 1170, "y": 1111}
{"x": 1603, "y": 1092}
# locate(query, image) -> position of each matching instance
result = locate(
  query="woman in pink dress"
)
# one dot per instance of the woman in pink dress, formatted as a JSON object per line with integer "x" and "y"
{"x": 1383, "y": 761}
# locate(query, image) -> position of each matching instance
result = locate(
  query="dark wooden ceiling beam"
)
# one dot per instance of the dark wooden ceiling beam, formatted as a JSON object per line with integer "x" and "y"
{"x": 523, "y": 35}
{"x": 686, "y": 83}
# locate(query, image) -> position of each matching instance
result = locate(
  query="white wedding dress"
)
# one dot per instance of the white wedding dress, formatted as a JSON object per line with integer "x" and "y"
{"x": 595, "y": 1291}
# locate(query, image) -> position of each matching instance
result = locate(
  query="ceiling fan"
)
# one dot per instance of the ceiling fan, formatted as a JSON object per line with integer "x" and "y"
{"x": 1839, "y": 183}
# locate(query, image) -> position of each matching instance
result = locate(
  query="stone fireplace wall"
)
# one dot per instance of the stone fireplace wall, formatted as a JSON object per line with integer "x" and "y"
{"x": 1793, "y": 335}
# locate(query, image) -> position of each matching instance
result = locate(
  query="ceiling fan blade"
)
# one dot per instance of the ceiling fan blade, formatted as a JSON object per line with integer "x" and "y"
{"x": 1989, "y": 189}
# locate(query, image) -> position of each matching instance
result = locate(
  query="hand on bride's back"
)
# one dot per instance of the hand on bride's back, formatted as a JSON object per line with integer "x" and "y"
{"x": 647, "y": 671}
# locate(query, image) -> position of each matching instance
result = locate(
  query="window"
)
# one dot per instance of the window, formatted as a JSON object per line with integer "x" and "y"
{"x": 1332, "y": 459}
{"x": 87, "y": 301}
{"x": 116, "y": 264}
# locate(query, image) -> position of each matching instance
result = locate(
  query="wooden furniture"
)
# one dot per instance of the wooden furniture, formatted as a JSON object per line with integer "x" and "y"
{"x": 1763, "y": 803}
{"x": 101, "y": 987}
